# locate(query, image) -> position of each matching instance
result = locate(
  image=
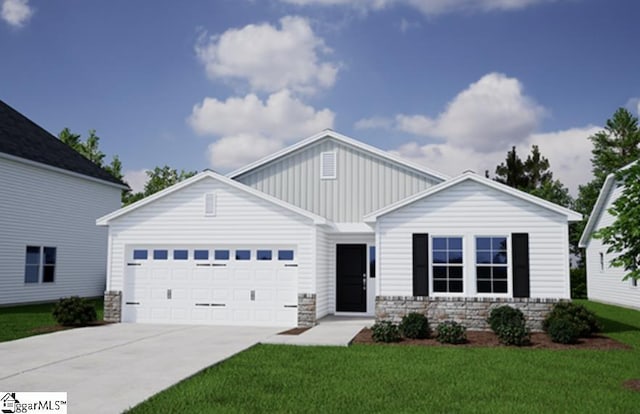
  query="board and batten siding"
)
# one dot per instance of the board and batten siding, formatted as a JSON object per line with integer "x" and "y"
{"x": 241, "y": 221}
{"x": 470, "y": 209}
{"x": 43, "y": 207}
{"x": 363, "y": 183}
{"x": 605, "y": 283}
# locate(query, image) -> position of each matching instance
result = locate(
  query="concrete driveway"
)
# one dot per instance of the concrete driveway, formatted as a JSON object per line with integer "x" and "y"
{"x": 110, "y": 368}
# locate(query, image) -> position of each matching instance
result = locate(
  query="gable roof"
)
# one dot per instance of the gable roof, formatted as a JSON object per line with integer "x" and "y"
{"x": 328, "y": 133}
{"x": 104, "y": 221}
{"x": 471, "y": 176}
{"x": 22, "y": 138}
{"x": 598, "y": 207}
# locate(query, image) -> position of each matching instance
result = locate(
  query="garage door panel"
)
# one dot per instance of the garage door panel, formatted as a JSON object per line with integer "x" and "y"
{"x": 211, "y": 291}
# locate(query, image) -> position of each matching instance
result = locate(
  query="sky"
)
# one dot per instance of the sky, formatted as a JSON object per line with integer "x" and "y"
{"x": 450, "y": 84}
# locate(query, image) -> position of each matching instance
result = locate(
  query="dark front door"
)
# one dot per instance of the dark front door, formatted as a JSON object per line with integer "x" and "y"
{"x": 351, "y": 273}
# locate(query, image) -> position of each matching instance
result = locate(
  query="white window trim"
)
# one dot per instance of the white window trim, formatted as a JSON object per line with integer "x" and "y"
{"x": 41, "y": 266}
{"x": 509, "y": 293}
{"x": 335, "y": 165}
{"x": 432, "y": 291}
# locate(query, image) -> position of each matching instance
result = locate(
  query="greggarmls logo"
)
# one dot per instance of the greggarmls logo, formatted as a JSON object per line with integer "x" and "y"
{"x": 9, "y": 403}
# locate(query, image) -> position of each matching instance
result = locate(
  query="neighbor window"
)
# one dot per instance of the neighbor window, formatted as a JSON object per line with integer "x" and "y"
{"x": 491, "y": 264}
{"x": 180, "y": 254}
{"x": 634, "y": 282}
{"x": 243, "y": 254}
{"x": 285, "y": 254}
{"x": 263, "y": 255}
{"x": 201, "y": 254}
{"x": 447, "y": 264}
{"x": 40, "y": 264}
{"x": 160, "y": 254}
{"x": 601, "y": 261}
{"x": 140, "y": 255}
{"x": 221, "y": 254}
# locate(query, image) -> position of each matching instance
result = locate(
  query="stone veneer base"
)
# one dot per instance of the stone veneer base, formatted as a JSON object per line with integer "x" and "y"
{"x": 470, "y": 312}
{"x": 113, "y": 306}
{"x": 306, "y": 310}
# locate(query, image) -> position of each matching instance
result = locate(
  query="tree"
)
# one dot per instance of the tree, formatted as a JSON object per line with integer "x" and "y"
{"x": 159, "y": 179}
{"x": 532, "y": 176}
{"x": 623, "y": 235}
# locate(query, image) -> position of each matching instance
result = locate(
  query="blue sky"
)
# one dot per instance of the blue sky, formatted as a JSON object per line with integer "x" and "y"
{"x": 452, "y": 84}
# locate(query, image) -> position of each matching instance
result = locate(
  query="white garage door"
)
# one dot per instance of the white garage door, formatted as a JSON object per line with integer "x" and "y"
{"x": 221, "y": 286}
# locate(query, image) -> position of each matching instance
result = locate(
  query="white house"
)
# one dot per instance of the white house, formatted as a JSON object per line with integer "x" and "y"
{"x": 604, "y": 282}
{"x": 50, "y": 197}
{"x": 334, "y": 226}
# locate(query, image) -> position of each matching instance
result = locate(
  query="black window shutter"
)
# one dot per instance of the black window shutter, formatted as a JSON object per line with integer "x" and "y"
{"x": 520, "y": 255}
{"x": 420, "y": 265}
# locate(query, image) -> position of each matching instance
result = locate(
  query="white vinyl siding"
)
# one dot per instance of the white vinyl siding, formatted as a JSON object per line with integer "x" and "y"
{"x": 470, "y": 209}
{"x": 605, "y": 283}
{"x": 363, "y": 183}
{"x": 41, "y": 207}
{"x": 242, "y": 221}
{"x": 324, "y": 276}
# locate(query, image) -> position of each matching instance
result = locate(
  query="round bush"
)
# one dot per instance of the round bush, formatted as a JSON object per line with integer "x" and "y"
{"x": 451, "y": 332}
{"x": 415, "y": 326}
{"x": 509, "y": 325}
{"x": 385, "y": 331}
{"x": 583, "y": 318}
{"x": 74, "y": 311}
{"x": 563, "y": 331}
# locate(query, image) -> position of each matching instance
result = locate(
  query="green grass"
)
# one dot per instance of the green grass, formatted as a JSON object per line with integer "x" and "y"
{"x": 21, "y": 321}
{"x": 371, "y": 378}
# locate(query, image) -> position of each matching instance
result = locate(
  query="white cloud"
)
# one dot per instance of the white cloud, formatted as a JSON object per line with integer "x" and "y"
{"x": 376, "y": 122}
{"x": 16, "y": 12}
{"x": 634, "y": 105}
{"x": 491, "y": 114}
{"x": 568, "y": 151}
{"x": 428, "y": 7}
{"x": 136, "y": 179}
{"x": 249, "y": 128}
{"x": 270, "y": 58}
{"x": 406, "y": 25}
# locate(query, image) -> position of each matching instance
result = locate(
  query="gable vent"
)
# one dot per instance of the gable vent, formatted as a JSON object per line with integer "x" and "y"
{"x": 210, "y": 204}
{"x": 328, "y": 165}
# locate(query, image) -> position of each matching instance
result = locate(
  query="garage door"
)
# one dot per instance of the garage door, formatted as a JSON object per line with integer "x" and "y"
{"x": 221, "y": 286}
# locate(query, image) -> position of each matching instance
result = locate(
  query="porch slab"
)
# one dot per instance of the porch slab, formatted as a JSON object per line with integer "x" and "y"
{"x": 330, "y": 331}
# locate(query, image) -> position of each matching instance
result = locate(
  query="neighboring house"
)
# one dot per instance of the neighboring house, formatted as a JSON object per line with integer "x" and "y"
{"x": 334, "y": 226}
{"x": 604, "y": 282}
{"x": 50, "y": 197}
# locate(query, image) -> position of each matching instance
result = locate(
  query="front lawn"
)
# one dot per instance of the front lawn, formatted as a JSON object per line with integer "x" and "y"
{"x": 21, "y": 321}
{"x": 375, "y": 378}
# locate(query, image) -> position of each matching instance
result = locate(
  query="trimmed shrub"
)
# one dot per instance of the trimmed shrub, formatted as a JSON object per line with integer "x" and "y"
{"x": 509, "y": 325}
{"x": 563, "y": 331}
{"x": 385, "y": 331}
{"x": 583, "y": 318}
{"x": 415, "y": 326}
{"x": 74, "y": 311}
{"x": 451, "y": 332}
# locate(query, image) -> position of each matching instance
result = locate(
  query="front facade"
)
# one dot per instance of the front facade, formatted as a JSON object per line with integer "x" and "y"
{"x": 604, "y": 282}
{"x": 50, "y": 198}
{"x": 329, "y": 226}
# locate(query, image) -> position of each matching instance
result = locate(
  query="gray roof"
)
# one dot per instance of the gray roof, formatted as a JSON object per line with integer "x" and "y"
{"x": 21, "y": 137}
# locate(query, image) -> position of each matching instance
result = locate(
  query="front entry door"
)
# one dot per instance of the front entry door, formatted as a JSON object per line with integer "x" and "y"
{"x": 351, "y": 266}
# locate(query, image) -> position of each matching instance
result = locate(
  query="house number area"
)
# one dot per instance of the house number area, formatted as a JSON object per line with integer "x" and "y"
{"x": 33, "y": 402}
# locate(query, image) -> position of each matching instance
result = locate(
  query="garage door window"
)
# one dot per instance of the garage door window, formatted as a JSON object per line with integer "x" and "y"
{"x": 160, "y": 255}
{"x": 243, "y": 254}
{"x": 201, "y": 254}
{"x": 285, "y": 254}
{"x": 221, "y": 254}
{"x": 180, "y": 254}
{"x": 140, "y": 255}
{"x": 264, "y": 255}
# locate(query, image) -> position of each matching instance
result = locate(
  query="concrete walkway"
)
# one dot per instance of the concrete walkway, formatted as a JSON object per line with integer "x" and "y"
{"x": 331, "y": 330}
{"x": 110, "y": 368}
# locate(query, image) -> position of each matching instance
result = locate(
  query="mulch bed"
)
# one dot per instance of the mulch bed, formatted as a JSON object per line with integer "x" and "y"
{"x": 539, "y": 340}
{"x": 632, "y": 384}
{"x": 56, "y": 328}
{"x": 294, "y": 331}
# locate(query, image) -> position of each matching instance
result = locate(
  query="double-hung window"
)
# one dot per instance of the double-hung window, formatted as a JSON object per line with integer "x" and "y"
{"x": 40, "y": 264}
{"x": 491, "y": 264}
{"x": 447, "y": 264}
